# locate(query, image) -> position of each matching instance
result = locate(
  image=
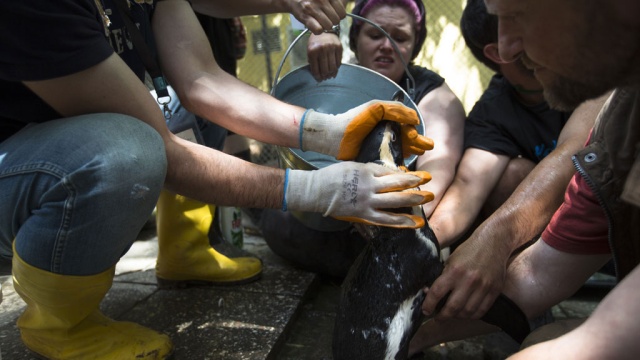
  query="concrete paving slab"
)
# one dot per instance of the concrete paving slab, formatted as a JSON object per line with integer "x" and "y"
{"x": 233, "y": 322}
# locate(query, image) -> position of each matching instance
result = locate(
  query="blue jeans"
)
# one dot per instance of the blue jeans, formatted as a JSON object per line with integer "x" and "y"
{"x": 75, "y": 192}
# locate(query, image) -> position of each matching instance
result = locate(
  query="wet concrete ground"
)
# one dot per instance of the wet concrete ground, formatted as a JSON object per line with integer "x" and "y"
{"x": 288, "y": 314}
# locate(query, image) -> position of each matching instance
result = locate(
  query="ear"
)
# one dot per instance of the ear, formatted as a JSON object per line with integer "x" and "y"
{"x": 492, "y": 53}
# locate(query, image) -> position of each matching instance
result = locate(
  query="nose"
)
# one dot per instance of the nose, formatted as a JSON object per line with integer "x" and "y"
{"x": 386, "y": 44}
{"x": 510, "y": 45}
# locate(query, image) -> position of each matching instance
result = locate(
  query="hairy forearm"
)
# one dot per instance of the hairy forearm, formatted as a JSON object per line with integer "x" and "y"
{"x": 228, "y": 9}
{"x": 317, "y": 15}
{"x": 530, "y": 208}
{"x": 211, "y": 176}
{"x": 205, "y": 89}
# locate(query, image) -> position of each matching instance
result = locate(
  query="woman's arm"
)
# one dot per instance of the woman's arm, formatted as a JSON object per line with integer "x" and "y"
{"x": 444, "y": 118}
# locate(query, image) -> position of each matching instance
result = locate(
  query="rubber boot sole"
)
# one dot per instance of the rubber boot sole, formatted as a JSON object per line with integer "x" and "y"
{"x": 183, "y": 284}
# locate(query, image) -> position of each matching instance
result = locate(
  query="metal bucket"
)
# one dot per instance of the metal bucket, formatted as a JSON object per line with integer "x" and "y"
{"x": 352, "y": 86}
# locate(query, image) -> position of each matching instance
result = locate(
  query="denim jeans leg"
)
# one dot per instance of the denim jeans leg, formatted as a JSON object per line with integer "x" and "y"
{"x": 75, "y": 192}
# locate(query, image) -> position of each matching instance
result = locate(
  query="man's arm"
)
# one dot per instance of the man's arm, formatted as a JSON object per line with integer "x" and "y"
{"x": 611, "y": 332}
{"x": 324, "y": 53}
{"x": 194, "y": 170}
{"x": 537, "y": 279}
{"x": 475, "y": 272}
{"x": 317, "y": 15}
{"x": 478, "y": 173}
{"x": 444, "y": 119}
{"x": 204, "y": 88}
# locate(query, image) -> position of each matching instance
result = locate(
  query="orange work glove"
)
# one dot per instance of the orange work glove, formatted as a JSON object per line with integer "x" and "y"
{"x": 341, "y": 135}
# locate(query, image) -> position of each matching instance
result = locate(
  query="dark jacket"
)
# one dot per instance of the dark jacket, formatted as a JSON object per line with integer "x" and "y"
{"x": 611, "y": 167}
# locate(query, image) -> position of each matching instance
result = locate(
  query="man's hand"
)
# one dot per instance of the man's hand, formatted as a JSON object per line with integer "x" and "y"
{"x": 317, "y": 15}
{"x": 324, "y": 53}
{"x": 341, "y": 135}
{"x": 358, "y": 192}
{"x": 473, "y": 276}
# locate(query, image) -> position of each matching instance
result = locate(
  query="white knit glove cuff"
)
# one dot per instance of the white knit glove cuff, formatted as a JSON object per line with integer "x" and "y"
{"x": 320, "y": 132}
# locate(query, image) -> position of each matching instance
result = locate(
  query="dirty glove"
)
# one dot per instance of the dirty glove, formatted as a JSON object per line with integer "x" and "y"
{"x": 357, "y": 192}
{"x": 341, "y": 135}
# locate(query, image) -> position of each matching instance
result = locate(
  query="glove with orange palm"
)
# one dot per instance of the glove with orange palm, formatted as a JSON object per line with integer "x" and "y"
{"x": 341, "y": 135}
{"x": 358, "y": 192}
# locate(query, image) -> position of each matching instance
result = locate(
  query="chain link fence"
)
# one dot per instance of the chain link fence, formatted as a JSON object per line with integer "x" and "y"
{"x": 444, "y": 52}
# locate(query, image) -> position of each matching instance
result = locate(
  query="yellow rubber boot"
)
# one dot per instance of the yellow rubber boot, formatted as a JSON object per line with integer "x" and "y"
{"x": 62, "y": 319}
{"x": 185, "y": 256}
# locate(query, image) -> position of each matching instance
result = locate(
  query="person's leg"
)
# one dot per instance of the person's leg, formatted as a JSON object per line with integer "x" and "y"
{"x": 74, "y": 194}
{"x": 187, "y": 254}
{"x": 326, "y": 252}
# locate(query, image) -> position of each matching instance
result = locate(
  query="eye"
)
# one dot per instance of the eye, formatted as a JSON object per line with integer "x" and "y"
{"x": 393, "y": 137}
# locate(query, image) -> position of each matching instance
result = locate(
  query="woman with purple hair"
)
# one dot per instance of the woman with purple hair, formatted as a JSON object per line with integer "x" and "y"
{"x": 442, "y": 111}
{"x": 333, "y": 252}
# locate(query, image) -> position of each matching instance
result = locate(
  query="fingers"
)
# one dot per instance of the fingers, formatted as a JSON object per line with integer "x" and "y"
{"x": 320, "y": 15}
{"x": 468, "y": 297}
{"x": 328, "y": 63}
{"x": 398, "y": 112}
{"x": 367, "y": 116}
{"x": 324, "y": 53}
{"x": 413, "y": 142}
{"x": 399, "y": 221}
{"x": 404, "y": 221}
{"x": 438, "y": 290}
{"x": 397, "y": 181}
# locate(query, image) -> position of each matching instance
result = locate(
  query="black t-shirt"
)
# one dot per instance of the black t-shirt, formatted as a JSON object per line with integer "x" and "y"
{"x": 501, "y": 124}
{"x": 42, "y": 40}
{"x": 425, "y": 81}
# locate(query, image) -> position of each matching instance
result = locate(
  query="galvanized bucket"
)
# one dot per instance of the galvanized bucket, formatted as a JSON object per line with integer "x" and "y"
{"x": 352, "y": 86}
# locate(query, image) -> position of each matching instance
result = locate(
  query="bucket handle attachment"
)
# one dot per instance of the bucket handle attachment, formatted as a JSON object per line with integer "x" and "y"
{"x": 411, "y": 84}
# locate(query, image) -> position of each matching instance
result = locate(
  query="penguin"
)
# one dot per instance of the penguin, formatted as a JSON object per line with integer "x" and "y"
{"x": 379, "y": 309}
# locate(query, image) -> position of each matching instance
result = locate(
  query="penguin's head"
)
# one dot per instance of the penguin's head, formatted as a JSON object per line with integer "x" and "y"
{"x": 383, "y": 145}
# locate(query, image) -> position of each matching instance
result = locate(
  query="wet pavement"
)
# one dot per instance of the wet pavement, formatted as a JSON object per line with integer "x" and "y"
{"x": 288, "y": 314}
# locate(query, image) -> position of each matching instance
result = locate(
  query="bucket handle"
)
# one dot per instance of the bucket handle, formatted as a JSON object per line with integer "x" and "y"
{"x": 411, "y": 84}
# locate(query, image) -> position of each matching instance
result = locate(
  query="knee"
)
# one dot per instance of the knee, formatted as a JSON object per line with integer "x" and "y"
{"x": 133, "y": 148}
{"x": 126, "y": 154}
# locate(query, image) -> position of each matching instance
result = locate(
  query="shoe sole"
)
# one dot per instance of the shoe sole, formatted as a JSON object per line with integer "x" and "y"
{"x": 183, "y": 284}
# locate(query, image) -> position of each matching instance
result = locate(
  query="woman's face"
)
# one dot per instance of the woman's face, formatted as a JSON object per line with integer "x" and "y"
{"x": 375, "y": 51}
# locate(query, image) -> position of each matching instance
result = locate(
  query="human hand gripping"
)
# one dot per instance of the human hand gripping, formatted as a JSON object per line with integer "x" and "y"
{"x": 357, "y": 192}
{"x": 317, "y": 15}
{"x": 341, "y": 135}
{"x": 324, "y": 53}
{"x": 473, "y": 276}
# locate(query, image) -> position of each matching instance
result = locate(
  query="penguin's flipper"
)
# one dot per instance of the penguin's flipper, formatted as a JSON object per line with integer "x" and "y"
{"x": 505, "y": 314}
